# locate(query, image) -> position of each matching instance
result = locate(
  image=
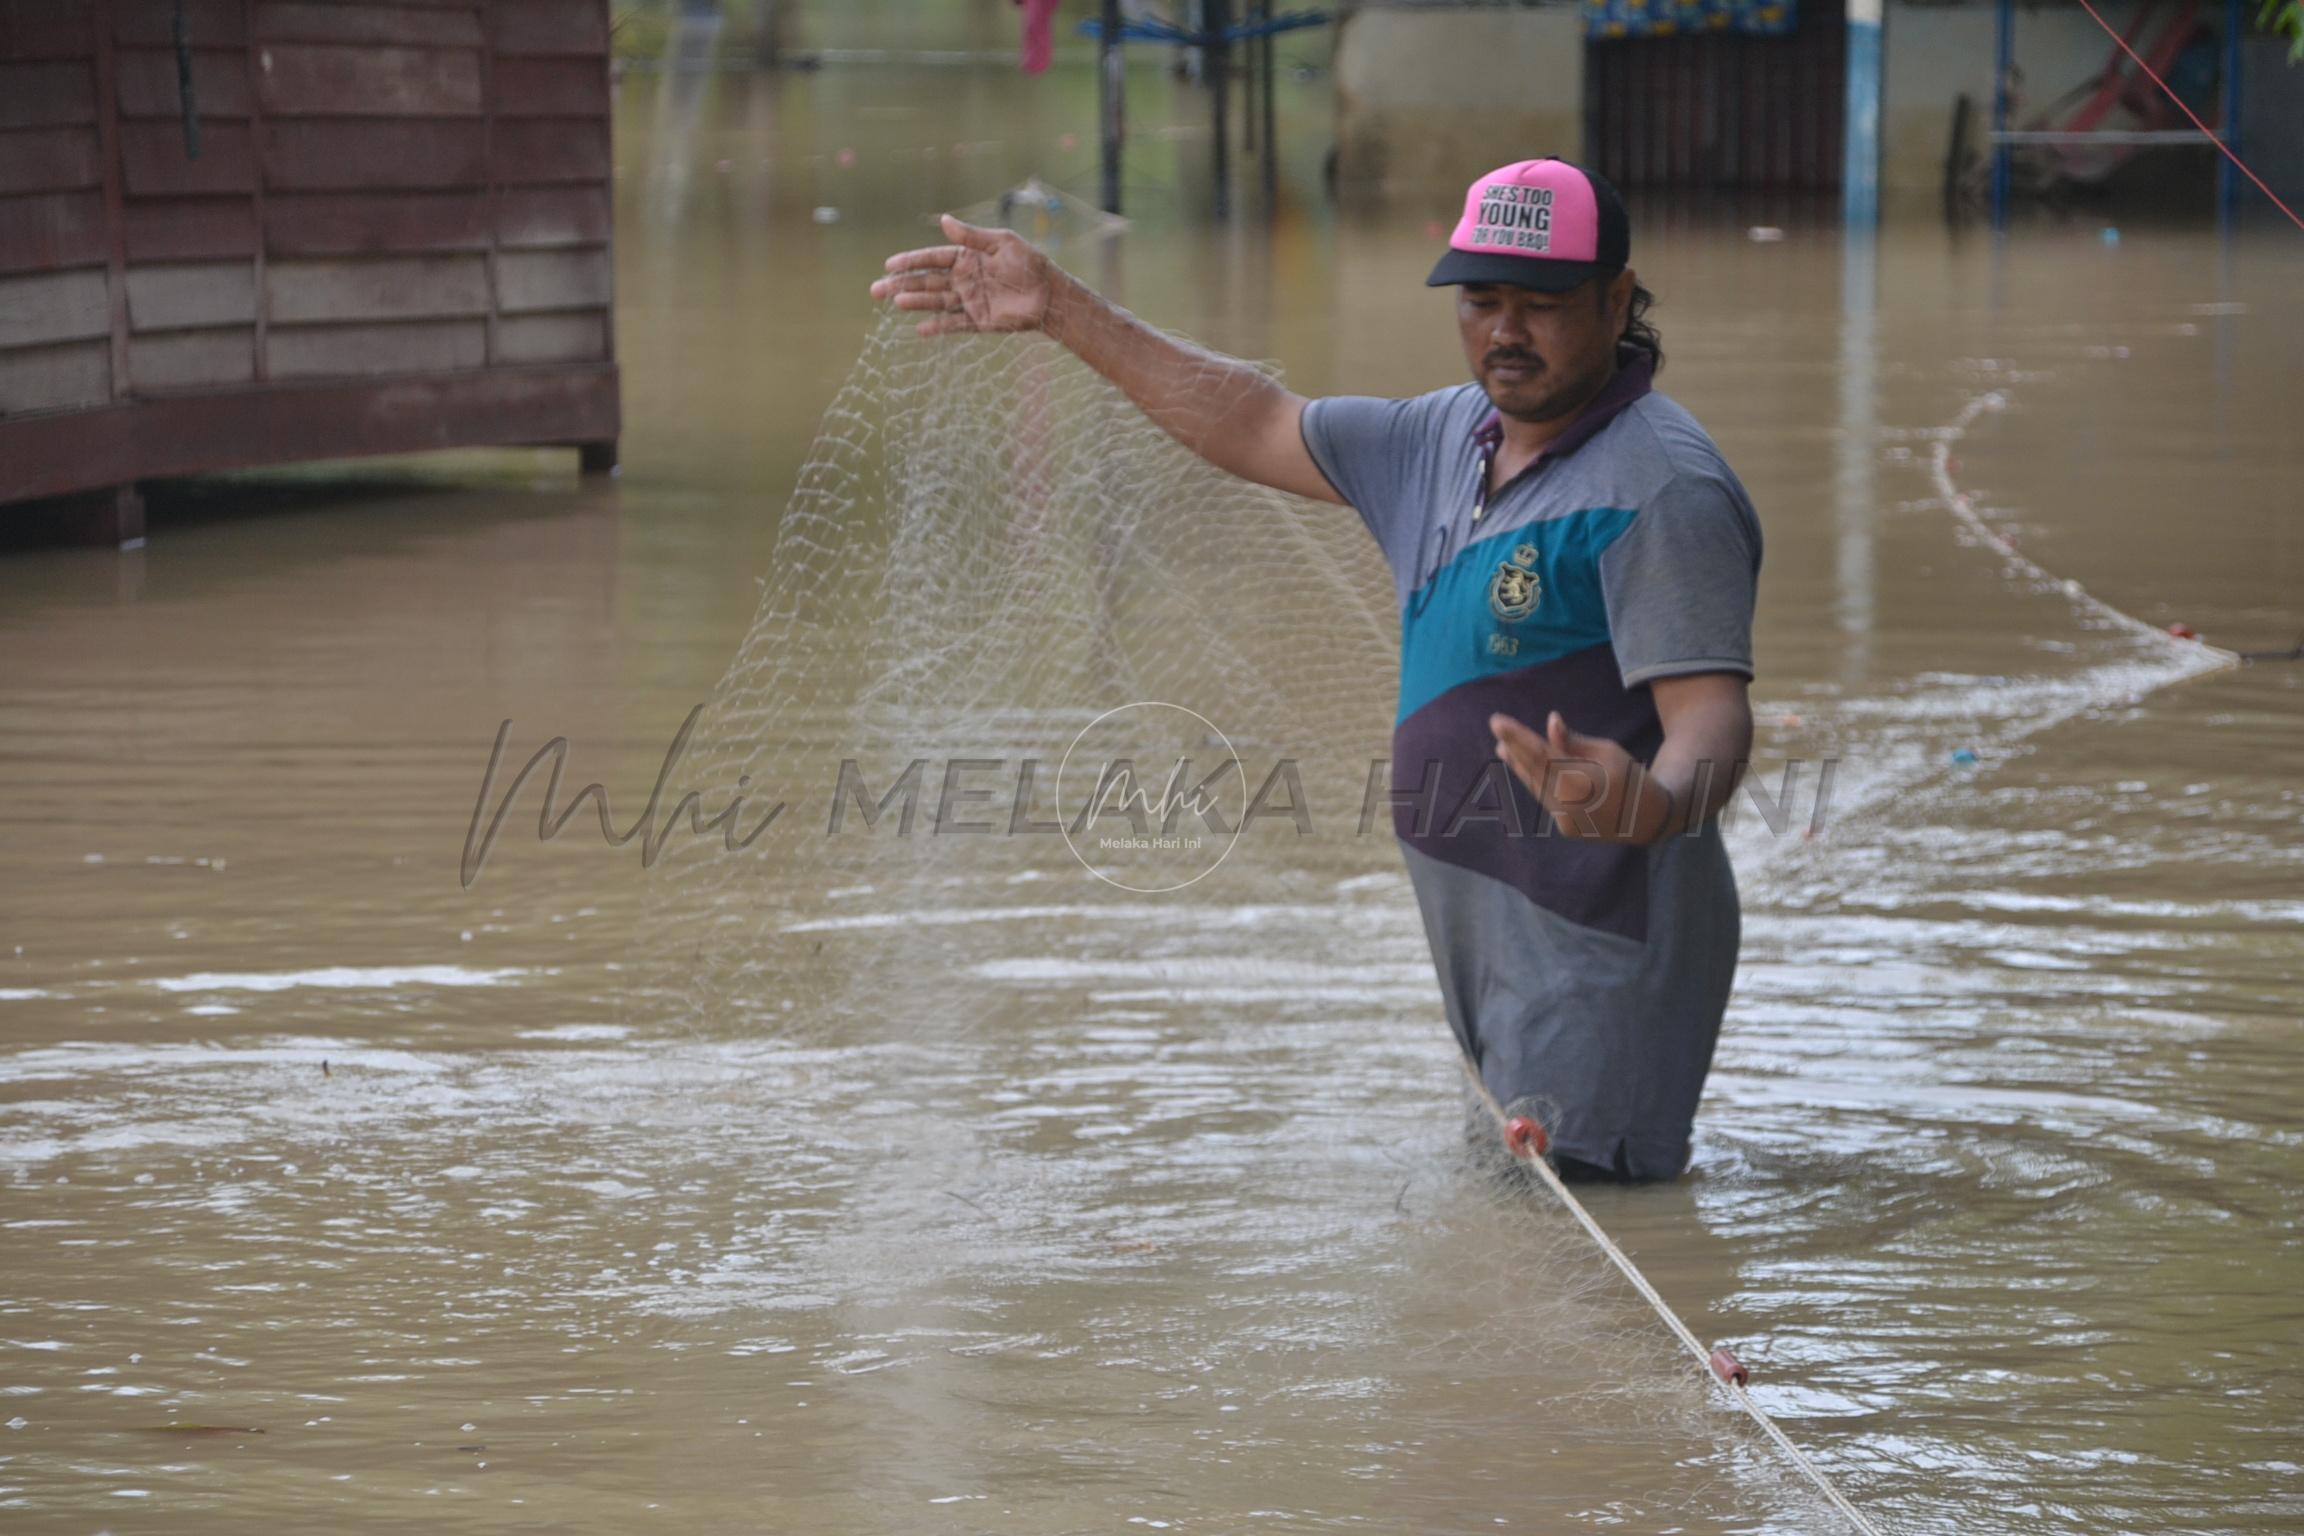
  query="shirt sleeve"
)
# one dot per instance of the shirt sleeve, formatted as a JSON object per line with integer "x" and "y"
{"x": 1370, "y": 449}
{"x": 1681, "y": 581}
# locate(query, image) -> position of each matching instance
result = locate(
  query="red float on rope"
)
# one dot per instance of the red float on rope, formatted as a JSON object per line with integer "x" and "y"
{"x": 1523, "y": 1137}
{"x": 1729, "y": 1369}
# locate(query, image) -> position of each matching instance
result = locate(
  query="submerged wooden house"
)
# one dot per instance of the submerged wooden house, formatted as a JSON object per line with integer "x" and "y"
{"x": 244, "y": 232}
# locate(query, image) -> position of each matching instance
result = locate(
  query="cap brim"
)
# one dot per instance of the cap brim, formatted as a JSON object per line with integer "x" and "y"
{"x": 1520, "y": 271}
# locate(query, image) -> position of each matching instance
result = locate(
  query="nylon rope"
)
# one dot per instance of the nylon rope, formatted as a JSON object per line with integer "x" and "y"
{"x": 1964, "y": 508}
{"x": 1663, "y": 1309}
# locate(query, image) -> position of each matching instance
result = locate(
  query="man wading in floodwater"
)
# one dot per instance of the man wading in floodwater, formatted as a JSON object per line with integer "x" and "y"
{"x": 1569, "y": 548}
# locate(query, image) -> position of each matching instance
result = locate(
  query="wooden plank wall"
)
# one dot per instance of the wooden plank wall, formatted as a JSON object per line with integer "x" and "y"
{"x": 56, "y": 287}
{"x": 389, "y": 188}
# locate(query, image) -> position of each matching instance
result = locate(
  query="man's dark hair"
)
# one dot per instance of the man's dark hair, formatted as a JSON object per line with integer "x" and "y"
{"x": 1639, "y": 335}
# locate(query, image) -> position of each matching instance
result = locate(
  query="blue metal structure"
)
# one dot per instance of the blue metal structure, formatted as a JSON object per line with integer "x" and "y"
{"x": 1860, "y": 139}
{"x": 2227, "y": 173}
{"x": 1215, "y": 40}
{"x": 2003, "y": 60}
{"x": 2003, "y": 137}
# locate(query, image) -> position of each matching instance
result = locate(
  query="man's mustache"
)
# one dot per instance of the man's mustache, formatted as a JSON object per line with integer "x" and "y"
{"x": 1501, "y": 355}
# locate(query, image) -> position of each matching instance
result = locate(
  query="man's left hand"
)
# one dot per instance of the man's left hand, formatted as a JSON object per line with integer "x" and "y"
{"x": 1591, "y": 786}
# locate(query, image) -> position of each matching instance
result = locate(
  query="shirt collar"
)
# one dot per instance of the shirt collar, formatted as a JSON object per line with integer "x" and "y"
{"x": 1635, "y": 371}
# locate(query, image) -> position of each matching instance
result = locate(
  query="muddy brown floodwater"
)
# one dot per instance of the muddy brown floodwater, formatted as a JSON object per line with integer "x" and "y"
{"x": 1996, "y": 1185}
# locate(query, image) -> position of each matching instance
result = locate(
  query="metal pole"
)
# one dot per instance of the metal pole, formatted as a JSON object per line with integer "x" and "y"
{"x": 1112, "y": 101}
{"x": 767, "y": 38}
{"x": 2227, "y": 175}
{"x": 1250, "y": 75}
{"x": 1219, "y": 55}
{"x": 1271, "y": 124}
{"x": 1860, "y": 160}
{"x": 2004, "y": 53}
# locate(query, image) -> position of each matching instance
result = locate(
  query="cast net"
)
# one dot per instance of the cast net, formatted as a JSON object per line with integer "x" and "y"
{"x": 1017, "y": 647}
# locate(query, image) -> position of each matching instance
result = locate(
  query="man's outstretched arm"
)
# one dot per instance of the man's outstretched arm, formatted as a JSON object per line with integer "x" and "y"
{"x": 1227, "y": 411}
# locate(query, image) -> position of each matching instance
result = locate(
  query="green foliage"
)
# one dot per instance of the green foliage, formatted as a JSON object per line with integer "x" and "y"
{"x": 2284, "y": 18}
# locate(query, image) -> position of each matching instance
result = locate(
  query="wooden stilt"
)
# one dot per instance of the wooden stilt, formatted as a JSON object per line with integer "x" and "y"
{"x": 1109, "y": 81}
{"x": 112, "y": 516}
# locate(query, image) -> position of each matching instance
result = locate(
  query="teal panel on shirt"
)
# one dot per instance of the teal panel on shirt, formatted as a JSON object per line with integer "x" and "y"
{"x": 1527, "y": 595}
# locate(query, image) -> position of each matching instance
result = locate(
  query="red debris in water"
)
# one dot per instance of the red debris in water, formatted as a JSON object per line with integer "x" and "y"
{"x": 1523, "y": 1137}
{"x": 1728, "y": 1368}
{"x": 2183, "y": 632}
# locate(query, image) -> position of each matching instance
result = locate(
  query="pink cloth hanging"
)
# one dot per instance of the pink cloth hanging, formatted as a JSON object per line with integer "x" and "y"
{"x": 1039, "y": 26}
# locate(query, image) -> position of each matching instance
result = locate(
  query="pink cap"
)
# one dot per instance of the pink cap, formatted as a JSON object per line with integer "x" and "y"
{"x": 1538, "y": 223}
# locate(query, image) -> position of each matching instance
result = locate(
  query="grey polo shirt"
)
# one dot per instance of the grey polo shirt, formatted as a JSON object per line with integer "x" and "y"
{"x": 1585, "y": 980}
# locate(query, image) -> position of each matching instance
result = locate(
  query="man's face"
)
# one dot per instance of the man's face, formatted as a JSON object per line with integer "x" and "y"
{"x": 1542, "y": 355}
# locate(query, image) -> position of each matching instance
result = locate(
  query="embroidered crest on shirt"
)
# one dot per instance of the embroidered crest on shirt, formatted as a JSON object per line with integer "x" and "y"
{"x": 1516, "y": 589}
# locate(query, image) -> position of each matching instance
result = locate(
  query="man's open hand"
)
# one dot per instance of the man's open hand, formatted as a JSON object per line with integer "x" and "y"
{"x": 1591, "y": 785}
{"x": 986, "y": 280}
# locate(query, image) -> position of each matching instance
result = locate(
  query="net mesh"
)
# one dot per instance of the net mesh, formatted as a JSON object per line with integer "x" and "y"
{"x": 995, "y": 587}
